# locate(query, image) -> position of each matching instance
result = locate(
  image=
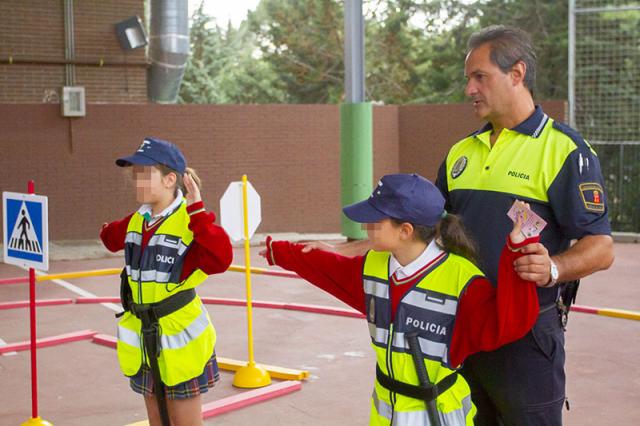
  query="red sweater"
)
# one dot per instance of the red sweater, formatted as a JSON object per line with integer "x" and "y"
{"x": 210, "y": 250}
{"x": 487, "y": 318}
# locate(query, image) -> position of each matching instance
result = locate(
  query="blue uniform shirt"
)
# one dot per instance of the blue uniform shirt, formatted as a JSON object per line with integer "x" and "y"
{"x": 540, "y": 161}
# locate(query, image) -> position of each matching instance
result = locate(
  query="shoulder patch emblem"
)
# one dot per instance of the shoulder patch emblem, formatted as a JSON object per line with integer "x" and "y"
{"x": 592, "y": 196}
{"x": 459, "y": 166}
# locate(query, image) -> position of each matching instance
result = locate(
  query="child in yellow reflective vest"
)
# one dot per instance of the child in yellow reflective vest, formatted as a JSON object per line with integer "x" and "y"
{"x": 171, "y": 244}
{"x": 428, "y": 306}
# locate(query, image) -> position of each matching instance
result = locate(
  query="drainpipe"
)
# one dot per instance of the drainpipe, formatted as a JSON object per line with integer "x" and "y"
{"x": 69, "y": 44}
{"x": 168, "y": 49}
{"x": 356, "y": 123}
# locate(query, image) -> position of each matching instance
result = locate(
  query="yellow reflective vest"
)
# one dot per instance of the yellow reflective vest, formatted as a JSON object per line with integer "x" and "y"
{"x": 430, "y": 308}
{"x": 187, "y": 337}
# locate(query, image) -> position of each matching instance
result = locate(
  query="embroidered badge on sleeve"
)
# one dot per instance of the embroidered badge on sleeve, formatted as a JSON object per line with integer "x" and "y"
{"x": 592, "y": 196}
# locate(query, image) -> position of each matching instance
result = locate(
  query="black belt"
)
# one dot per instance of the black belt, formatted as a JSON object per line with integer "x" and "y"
{"x": 414, "y": 391}
{"x": 548, "y": 307}
{"x": 163, "y": 308}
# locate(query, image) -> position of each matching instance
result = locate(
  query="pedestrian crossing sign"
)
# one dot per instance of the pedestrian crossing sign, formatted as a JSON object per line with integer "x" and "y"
{"x": 25, "y": 230}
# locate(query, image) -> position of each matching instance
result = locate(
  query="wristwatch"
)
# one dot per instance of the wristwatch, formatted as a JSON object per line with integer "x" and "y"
{"x": 553, "y": 271}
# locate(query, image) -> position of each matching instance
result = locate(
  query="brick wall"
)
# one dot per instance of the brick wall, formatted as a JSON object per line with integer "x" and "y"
{"x": 427, "y": 132}
{"x": 289, "y": 152}
{"x": 33, "y": 30}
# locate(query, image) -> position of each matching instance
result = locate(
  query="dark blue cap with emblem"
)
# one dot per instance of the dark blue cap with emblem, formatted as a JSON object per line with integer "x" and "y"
{"x": 156, "y": 151}
{"x": 406, "y": 197}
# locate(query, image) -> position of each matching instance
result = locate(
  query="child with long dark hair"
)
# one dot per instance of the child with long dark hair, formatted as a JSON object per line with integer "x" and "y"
{"x": 427, "y": 305}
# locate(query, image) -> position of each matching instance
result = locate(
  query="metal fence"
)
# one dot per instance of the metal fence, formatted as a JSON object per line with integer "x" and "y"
{"x": 621, "y": 169}
{"x": 604, "y": 97}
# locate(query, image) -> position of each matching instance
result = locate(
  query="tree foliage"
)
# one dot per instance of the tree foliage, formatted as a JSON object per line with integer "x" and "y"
{"x": 223, "y": 67}
{"x": 292, "y": 51}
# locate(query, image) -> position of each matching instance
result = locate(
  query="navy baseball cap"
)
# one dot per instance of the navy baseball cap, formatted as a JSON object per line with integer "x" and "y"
{"x": 406, "y": 197}
{"x": 156, "y": 151}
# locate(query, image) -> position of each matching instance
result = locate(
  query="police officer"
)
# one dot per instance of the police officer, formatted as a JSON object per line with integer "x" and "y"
{"x": 521, "y": 153}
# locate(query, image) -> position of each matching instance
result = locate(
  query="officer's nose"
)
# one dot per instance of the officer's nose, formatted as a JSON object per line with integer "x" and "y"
{"x": 470, "y": 89}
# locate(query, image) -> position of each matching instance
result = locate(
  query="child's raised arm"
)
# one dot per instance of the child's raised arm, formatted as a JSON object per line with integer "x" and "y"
{"x": 211, "y": 249}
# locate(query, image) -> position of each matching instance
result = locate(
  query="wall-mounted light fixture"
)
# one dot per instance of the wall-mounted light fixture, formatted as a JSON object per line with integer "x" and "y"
{"x": 131, "y": 33}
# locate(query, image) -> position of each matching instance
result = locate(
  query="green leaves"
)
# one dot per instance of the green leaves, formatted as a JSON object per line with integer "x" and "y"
{"x": 292, "y": 51}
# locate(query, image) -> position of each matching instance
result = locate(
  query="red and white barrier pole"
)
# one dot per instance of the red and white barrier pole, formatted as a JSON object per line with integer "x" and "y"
{"x": 34, "y": 420}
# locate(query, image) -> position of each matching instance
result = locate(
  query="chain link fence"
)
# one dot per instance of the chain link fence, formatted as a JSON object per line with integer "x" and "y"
{"x": 604, "y": 97}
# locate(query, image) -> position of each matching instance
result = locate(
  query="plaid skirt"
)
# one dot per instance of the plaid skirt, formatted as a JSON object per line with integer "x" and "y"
{"x": 142, "y": 382}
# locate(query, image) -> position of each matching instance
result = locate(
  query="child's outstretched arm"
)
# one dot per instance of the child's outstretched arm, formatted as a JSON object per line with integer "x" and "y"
{"x": 338, "y": 275}
{"x": 491, "y": 316}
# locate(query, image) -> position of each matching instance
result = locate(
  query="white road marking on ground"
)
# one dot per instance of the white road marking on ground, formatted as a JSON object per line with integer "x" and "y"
{"x": 3, "y": 343}
{"x": 329, "y": 357}
{"x": 355, "y": 354}
{"x": 308, "y": 367}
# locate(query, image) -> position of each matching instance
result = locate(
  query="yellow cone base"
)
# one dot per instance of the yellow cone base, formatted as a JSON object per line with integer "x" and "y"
{"x": 36, "y": 421}
{"x": 275, "y": 372}
{"x": 251, "y": 376}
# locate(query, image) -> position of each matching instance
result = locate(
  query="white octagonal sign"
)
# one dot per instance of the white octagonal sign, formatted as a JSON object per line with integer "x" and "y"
{"x": 231, "y": 217}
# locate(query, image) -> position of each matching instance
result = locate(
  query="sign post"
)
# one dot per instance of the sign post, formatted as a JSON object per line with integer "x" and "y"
{"x": 235, "y": 204}
{"x": 26, "y": 243}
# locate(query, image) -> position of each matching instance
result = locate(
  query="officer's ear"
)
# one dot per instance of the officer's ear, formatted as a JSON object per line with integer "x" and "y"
{"x": 518, "y": 72}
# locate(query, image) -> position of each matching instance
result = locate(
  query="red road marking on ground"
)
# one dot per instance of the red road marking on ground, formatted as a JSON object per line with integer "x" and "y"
{"x": 584, "y": 309}
{"x": 345, "y": 312}
{"x": 42, "y": 302}
{"x": 114, "y": 271}
{"x": 81, "y": 300}
{"x": 49, "y": 341}
{"x": 244, "y": 399}
{"x": 328, "y": 310}
{"x": 15, "y": 280}
{"x": 241, "y": 302}
{"x": 105, "y": 340}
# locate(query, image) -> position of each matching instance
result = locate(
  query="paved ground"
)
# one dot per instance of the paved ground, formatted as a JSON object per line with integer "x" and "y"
{"x": 80, "y": 382}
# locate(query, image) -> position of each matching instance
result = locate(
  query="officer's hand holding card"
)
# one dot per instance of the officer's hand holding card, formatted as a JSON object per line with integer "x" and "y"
{"x": 531, "y": 224}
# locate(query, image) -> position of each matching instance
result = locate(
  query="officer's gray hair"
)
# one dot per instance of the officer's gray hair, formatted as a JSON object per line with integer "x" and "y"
{"x": 509, "y": 45}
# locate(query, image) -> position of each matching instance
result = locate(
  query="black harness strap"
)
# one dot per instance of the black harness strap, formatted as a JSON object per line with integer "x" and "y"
{"x": 163, "y": 308}
{"x": 151, "y": 338}
{"x": 413, "y": 391}
{"x": 423, "y": 377}
{"x": 149, "y": 314}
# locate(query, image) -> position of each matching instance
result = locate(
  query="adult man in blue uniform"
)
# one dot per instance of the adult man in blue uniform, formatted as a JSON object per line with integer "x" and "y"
{"x": 521, "y": 153}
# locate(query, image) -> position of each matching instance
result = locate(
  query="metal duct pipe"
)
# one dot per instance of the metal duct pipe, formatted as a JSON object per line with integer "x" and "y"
{"x": 69, "y": 44}
{"x": 168, "y": 49}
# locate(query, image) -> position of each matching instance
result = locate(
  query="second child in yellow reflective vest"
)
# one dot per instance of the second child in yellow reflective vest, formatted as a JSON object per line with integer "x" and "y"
{"x": 171, "y": 244}
{"x": 419, "y": 279}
